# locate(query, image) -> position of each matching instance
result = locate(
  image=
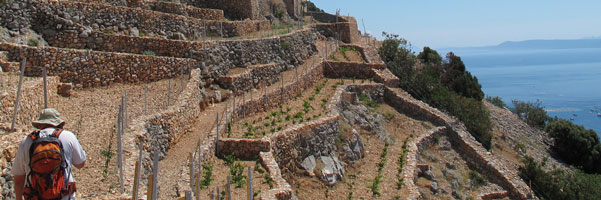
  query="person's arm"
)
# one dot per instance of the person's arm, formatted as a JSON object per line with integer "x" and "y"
{"x": 79, "y": 166}
{"x": 19, "y": 186}
{"x": 78, "y": 155}
{"x": 19, "y": 169}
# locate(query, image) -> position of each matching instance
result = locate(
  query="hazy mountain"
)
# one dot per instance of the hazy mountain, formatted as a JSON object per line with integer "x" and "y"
{"x": 541, "y": 44}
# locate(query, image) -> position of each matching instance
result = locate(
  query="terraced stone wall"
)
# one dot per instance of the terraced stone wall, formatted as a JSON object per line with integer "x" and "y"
{"x": 245, "y": 149}
{"x": 119, "y": 19}
{"x": 234, "y": 9}
{"x": 185, "y": 10}
{"x": 32, "y": 99}
{"x": 93, "y": 68}
{"x": 326, "y": 17}
{"x": 161, "y": 130}
{"x": 358, "y": 70}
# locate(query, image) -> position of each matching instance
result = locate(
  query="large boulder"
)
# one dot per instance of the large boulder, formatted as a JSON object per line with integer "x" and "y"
{"x": 309, "y": 165}
{"x": 332, "y": 171}
{"x": 354, "y": 149}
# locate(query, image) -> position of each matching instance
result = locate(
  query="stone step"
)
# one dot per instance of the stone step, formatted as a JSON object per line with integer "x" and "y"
{"x": 9, "y": 66}
{"x": 4, "y": 55}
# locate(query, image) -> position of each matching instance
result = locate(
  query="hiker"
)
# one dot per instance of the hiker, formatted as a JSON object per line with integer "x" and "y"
{"x": 42, "y": 166}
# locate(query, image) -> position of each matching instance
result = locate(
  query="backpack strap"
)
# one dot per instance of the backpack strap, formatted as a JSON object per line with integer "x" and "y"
{"x": 57, "y": 132}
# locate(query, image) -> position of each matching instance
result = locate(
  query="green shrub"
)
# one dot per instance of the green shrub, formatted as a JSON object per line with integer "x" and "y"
{"x": 532, "y": 112}
{"x": 149, "y": 53}
{"x": 559, "y": 184}
{"x": 456, "y": 78}
{"x": 477, "y": 179}
{"x": 207, "y": 171}
{"x": 429, "y": 56}
{"x": 279, "y": 13}
{"x": 576, "y": 145}
{"x": 370, "y": 103}
{"x": 497, "y": 101}
{"x": 311, "y": 6}
{"x": 447, "y": 86}
{"x": 33, "y": 42}
{"x": 237, "y": 174}
{"x": 230, "y": 159}
{"x": 285, "y": 45}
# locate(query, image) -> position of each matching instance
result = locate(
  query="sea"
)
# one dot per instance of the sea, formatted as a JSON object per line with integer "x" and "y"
{"x": 566, "y": 81}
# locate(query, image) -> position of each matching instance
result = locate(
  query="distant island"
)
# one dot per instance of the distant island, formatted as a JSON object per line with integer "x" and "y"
{"x": 541, "y": 44}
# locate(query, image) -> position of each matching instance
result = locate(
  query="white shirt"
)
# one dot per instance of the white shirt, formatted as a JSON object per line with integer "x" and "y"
{"x": 73, "y": 151}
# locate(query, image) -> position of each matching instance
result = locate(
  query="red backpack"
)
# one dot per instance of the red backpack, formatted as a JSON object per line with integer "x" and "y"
{"x": 48, "y": 177}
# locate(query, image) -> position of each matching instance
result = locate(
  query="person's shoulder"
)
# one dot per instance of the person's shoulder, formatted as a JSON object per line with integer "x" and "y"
{"x": 66, "y": 134}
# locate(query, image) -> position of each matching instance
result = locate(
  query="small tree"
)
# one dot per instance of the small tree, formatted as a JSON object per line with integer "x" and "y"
{"x": 429, "y": 56}
{"x": 532, "y": 112}
{"x": 497, "y": 101}
{"x": 396, "y": 53}
{"x": 576, "y": 145}
{"x": 456, "y": 78}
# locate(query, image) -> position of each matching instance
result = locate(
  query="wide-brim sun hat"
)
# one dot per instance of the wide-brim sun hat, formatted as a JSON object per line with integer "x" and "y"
{"x": 49, "y": 116}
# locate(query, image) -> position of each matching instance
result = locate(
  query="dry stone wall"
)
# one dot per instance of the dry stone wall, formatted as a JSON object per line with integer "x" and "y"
{"x": 465, "y": 144}
{"x": 324, "y": 17}
{"x": 281, "y": 190}
{"x": 245, "y": 149}
{"x": 32, "y": 100}
{"x": 358, "y": 70}
{"x": 185, "y": 10}
{"x": 256, "y": 76}
{"x": 234, "y": 9}
{"x": 93, "y": 68}
{"x": 118, "y": 19}
{"x": 159, "y": 131}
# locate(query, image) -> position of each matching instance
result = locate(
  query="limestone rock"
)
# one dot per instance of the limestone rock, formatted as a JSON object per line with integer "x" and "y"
{"x": 354, "y": 149}
{"x": 332, "y": 171}
{"x": 309, "y": 165}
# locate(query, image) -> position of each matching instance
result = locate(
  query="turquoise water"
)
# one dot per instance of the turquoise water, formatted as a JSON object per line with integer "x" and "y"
{"x": 567, "y": 81}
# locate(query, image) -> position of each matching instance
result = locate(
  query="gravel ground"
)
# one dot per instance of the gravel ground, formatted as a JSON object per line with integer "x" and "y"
{"x": 92, "y": 114}
{"x": 513, "y": 138}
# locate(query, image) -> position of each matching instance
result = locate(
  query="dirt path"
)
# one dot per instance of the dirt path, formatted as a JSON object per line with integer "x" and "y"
{"x": 91, "y": 114}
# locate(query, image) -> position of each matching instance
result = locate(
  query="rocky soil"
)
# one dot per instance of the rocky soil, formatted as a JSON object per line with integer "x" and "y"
{"x": 513, "y": 139}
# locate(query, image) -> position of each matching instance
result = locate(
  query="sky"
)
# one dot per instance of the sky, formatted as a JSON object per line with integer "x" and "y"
{"x": 467, "y": 23}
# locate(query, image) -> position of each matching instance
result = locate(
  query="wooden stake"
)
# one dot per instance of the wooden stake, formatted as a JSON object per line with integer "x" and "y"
{"x": 221, "y": 28}
{"x": 149, "y": 189}
{"x": 250, "y": 184}
{"x": 282, "y": 88}
{"x": 134, "y": 194}
{"x": 120, "y": 146}
{"x": 188, "y": 195}
{"x": 181, "y": 78}
{"x": 44, "y": 72}
{"x": 192, "y": 171}
{"x": 155, "y": 172}
{"x": 125, "y": 114}
{"x": 16, "y": 109}
{"x": 168, "y": 92}
{"x": 138, "y": 172}
{"x": 364, "y": 33}
{"x": 228, "y": 189}
{"x": 218, "y": 193}
{"x": 145, "y": 99}
{"x": 198, "y": 183}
